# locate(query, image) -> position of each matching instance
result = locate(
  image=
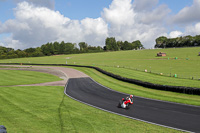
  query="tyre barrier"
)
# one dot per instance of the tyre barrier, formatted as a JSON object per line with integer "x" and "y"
{"x": 179, "y": 89}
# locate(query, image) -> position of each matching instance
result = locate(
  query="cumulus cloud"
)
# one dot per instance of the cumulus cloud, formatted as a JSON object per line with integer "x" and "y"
{"x": 188, "y": 18}
{"x": 193, "y": 29}
{"x": 135, "y": 21}
{"x": 188, "y": 14}
{"x": 35, "y": 25}
{"x": 144, "y": 5}
{"x": 157, "y": 15}
{"x": 97, "y": 26}
{"x": 175, "y": 34}
{"x": 42, "y": 3}
{"x": 120, "y": 13}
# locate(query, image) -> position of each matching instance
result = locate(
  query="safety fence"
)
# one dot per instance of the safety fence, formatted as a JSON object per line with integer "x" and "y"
{"x": 179, "y": 89}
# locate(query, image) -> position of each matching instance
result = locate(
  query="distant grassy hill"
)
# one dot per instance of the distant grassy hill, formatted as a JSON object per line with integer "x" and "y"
{"x": 187, "y": 64}
{"x": 134, "y": 63}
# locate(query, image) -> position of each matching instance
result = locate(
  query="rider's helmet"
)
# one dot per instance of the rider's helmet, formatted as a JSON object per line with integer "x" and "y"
{"x": 131, "y": 96}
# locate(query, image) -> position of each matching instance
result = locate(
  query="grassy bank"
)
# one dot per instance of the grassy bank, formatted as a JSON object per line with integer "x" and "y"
{"x": 47, "y": 109}
{"x": 186, "y": 66}
{"x": 152, "y": 78}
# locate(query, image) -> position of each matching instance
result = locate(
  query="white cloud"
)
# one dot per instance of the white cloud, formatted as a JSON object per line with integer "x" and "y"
{"x": 188, "y": 18}
{"x": 42, "y": 3}
{"x": 1, "y": 44}
{"x": 193, "y": 30}
{"x": 144, "y": 5}
{"x": 120, "y": 13}
{"x": 34, "y": 26}
{"x": 175, "y": 34}
{"x": 188, "y": 14}
{"x": 155, "y": 16}
{"x": 127, "y": 22}
{"x": 11, "y": 43}
{"x": 97, "y": 26}
{"x": 13, "y": 25}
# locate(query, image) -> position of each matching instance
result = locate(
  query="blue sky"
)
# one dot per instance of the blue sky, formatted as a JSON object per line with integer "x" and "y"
{"x": 79, "y": 9}
{"x": 176, "y": 5}
{"x": 94, "y": 20}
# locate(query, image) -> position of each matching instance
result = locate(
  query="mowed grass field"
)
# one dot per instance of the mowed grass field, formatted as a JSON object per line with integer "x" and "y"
{"x": 47, "y": 109}
{"x": 18, "y": 77}
{"x": 132, "y": 64}
{"x": 44, "y": 109}
{"x": 153, "y": 78}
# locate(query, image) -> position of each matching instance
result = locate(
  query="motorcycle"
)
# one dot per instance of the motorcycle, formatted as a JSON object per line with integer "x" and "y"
{"x": 125, "y": 103}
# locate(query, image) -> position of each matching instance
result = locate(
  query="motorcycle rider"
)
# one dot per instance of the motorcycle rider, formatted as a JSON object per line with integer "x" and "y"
{"x": 128, "y": 100}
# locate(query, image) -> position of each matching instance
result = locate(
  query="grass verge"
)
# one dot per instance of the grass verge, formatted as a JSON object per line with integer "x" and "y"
{"x": 152, "y": 78}
{"x": 16, "y": 77}
{"x": 47, "y": 109}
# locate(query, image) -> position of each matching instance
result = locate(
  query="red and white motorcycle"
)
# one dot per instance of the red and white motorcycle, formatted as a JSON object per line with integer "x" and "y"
{"x": 126, "y": 102}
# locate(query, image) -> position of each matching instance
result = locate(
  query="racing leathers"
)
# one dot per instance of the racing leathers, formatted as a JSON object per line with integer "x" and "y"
{"x": 126, "y": 101}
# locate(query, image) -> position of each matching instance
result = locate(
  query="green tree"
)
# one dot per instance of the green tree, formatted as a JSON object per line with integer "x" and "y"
{"x": 56, "y": 46}
{"x": 120, "y": 44}
{"x": 111, "y": 44}
{"x": 137, "y": 45}
{"x": 83, "y": 46}
{"x": 48, "y": 49}
{"x": 62, "y": 47}
{"x": 37, "y": 52}
{"x": 161, "y": 42}
{"x": 126, "y": 46}
{"x": 69, "y": 47}
{"x": 186, "y": 41}
{"x": 21, "y": 53}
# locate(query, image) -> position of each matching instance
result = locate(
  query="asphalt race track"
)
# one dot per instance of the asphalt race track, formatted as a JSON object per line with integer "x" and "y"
{"x": 178, "y": 116}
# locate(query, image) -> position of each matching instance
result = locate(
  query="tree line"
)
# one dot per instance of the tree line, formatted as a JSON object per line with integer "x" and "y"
{"x": 113, "y": 45}
{"x": 56, "y": 48}
{"x": 186, "y": 41}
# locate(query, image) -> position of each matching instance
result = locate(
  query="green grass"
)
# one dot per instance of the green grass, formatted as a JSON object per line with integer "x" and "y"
{"x": 139, "y": 90}
{"x": 146, "y": 59}
{"x": 17, "y": 77}
{"x": 61, "y": 59}
{"x": 44, "y": 109}
{"x": 140, "y": 60}
{"x": 152, "y": 78}
{"x": 47, "y": 109}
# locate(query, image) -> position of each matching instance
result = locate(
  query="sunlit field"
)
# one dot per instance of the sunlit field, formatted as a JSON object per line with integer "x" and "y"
{"x": 132, "y": 64}
{"x": 44, "y": 109}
